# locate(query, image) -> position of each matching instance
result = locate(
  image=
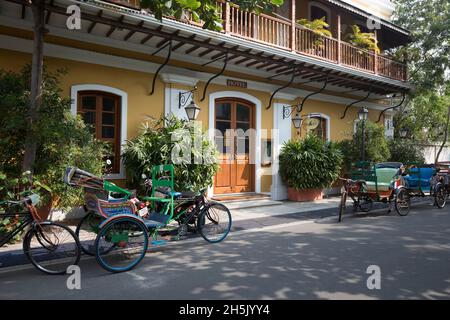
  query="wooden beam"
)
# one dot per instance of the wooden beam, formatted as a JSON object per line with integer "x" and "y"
{"x": 129, "y": 34}
{"x": 47, "y": 17}
{"x": 149, "y": 36}
{"x": 111, "y": 30}
{"x": 180, "y": 44}
{"x": 91, "y": 27}
{"x": 204, "y": 53}
{"x": 164, "y": 41}
{"x": 23, "y": 12}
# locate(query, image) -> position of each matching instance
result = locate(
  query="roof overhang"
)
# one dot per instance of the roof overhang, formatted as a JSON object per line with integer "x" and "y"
{"x": 141, "y": 30}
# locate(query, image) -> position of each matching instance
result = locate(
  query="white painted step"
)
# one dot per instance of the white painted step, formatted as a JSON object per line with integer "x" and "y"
{"x": 243, "y": 204}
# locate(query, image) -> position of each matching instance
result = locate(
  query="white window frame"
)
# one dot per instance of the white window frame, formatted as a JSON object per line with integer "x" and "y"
{"x": 123, "y": 116}
{"x": 323, "y": 116}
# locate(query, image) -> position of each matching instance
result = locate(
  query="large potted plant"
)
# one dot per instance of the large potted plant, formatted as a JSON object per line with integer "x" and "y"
{"x": 308, "y": 166}
{"x": 170, "y": 140}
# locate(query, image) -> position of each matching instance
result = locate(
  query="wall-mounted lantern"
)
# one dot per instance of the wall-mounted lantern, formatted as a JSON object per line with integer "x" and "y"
{"x": 192, "y": 110}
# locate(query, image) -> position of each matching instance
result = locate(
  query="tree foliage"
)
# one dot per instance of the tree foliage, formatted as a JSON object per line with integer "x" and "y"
{"x": 376, "y": 148}
{"x": 205, "y": 10}
{"x": 62, "y": 138}
{"x": 428, "y": 67}
{"x": 429, "y": 53}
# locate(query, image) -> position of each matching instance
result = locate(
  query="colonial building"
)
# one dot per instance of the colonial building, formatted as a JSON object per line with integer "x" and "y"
{"x": 259, "y": 72}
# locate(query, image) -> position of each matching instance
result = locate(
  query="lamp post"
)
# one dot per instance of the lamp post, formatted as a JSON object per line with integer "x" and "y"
{"x": 362, "y": 115}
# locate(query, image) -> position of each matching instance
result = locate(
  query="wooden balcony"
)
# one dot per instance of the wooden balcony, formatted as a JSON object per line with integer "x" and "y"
{"x": 281, "y": 33}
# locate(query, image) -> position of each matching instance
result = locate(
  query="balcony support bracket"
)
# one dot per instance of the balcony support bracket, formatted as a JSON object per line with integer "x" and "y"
{"x": 225, "y": 63}
{"x": 355, "y": 102}
{"x": 314, "y": 93}
{"x": 294, "y": 74}
{"x": 392, "y": 108}
{"x": 166, "y": 61}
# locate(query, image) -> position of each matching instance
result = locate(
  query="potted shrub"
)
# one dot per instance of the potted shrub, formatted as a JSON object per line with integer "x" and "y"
{"x": 319, "y": 28}
{"x": 174, "y": 141}
{"x": 308, "y": 166}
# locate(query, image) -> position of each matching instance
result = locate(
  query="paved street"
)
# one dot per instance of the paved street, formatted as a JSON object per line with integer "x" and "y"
{"x": 297, "y": 259}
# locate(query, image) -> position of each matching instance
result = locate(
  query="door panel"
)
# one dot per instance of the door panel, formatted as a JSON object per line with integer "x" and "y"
{"x": 233, "y": 119}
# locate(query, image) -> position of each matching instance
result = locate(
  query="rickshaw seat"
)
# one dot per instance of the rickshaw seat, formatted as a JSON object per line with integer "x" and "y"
{"x": 425, "y": 174}
{"x": 156, "y": 220}
{"x": 384, "y": 178}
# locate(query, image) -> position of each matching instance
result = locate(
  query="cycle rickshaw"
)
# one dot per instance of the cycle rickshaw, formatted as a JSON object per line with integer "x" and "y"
{"x": 442, "y": 184}
{"x": 423, "y": 180}
{"x": 373, "y": 183}
{"x": 121, "y": 224}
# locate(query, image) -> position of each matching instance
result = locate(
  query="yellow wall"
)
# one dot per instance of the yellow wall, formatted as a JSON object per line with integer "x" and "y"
{"x": 136, "y": 84}
{"x": 141, "y": 104}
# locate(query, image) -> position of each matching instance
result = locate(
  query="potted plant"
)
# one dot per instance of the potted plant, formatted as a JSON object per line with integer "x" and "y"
{"x": 319, "y": 28}
{"x": 366, "y": 41}
{"x": 308, "y": 166}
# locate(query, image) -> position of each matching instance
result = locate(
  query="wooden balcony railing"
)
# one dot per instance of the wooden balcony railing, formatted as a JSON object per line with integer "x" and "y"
{"x": 282, "y": 33}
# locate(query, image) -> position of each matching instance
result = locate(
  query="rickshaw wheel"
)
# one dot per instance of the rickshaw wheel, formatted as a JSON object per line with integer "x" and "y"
{"x": 87, "y": 231}
{"x": 402, "y": 202}
{"x": 440, "y": 196}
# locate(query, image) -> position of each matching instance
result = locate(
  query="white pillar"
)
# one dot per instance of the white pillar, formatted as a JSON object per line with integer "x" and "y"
{"x": 281, "y": 133}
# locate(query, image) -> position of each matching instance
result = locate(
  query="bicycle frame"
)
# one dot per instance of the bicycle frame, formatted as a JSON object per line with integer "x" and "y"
{"x": 28, "y": 220}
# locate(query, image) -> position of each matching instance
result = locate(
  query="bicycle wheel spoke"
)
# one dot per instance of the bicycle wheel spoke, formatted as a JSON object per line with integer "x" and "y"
{"x": 52, "y": 248}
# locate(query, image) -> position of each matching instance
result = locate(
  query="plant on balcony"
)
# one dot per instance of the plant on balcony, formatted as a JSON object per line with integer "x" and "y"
{"x": 363, "y": 40}
{"x": 309, "y": 165}
{"x": 207, "y": 11}
{"x": 172, "y": 141}
{"x": 320, "y": 29}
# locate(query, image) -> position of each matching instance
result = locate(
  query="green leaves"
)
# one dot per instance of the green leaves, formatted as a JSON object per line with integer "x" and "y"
{"x": 62, "y": 138}
{"x": 363, "y": 40}
{"x": 207, "y": 11}
{"x": 310, "y": 163}
{"x": 158, "y": 142}
{"x": 428, "y": 55}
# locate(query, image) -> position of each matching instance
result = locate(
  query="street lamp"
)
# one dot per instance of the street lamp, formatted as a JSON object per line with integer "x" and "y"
{"x": 403, "y": 133}
{"x": 297, "y": 121}
{"x": 192, "y": 111}
{"x": 362, "y": 115}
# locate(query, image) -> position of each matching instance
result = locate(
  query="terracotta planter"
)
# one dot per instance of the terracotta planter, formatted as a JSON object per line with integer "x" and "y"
{"x": 304, "y": 195}
{"x": 44, "y": 211}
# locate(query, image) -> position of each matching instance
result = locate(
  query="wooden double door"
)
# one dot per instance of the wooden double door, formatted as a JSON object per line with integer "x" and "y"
{"x": 235, "y": 140}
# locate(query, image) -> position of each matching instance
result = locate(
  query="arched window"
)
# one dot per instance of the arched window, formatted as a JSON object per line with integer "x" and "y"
{"x": 102, "y": 111}
{"x": 318, "y": 124}
{"x": 318, "y": 11}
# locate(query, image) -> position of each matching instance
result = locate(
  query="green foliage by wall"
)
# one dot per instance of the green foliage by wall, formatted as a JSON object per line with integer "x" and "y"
{"x": 156, "y": 144}
{"x": 63, "y": 139}
{"x": 310, "y": 163}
